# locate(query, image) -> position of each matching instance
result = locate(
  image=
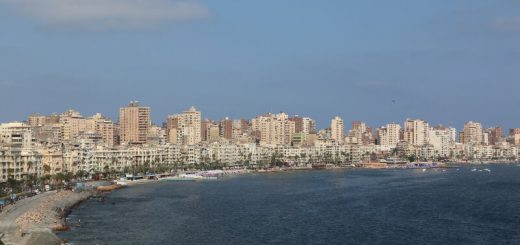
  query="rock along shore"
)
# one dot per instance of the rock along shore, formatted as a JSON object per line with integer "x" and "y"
{"x": 34, "y": 220}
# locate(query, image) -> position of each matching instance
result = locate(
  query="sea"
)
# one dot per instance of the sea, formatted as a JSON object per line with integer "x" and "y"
{"x": 465, "y": 205}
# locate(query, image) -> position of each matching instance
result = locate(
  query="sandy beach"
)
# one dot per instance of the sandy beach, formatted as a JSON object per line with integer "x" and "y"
{"x": 33, "y": 220}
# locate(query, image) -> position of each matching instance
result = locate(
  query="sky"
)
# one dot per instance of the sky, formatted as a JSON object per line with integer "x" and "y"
{"x": 444, "y": 61}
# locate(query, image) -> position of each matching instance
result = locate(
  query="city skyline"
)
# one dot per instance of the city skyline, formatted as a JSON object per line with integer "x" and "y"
{"x": 162, "y": 121}
{"x": 373, "y": 61}
{"x": 191, "y": 120}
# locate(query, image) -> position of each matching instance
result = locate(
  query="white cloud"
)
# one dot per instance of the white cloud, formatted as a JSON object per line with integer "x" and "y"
{"x": 97, "y": 15}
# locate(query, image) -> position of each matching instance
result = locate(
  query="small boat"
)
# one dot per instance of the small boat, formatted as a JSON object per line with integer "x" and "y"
{"x": 487, "y": 169}
{"x": 424, "y": 170}
{"x": 473, "y": 170}
{"x": 122, "y": 182}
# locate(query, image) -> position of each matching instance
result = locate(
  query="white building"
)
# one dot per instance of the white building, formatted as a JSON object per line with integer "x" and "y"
{"x": 416, "y": 132}
{"x": 441, "y": 139}
{"x": 389, "y": 135}
{"x": 18, "y": 157}
{"x": 337, "y": 129}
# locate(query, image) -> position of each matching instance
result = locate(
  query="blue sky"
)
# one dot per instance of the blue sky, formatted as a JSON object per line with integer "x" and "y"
{"x": 444, "y": 61}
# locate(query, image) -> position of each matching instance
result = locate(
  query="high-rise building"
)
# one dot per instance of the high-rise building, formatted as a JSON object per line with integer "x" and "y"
{"x": 389, "y": 135}
{"x": 244, "y": 126}
{"x": 73, "y": 124}
{"x": 273, "y": 129}
{"x": 441, "y": 138}
{"x": 204, "y": 129}
{"x": 185, "y": 128}
{"x": 472, "y": 133}
{"x": 102, "y": 126}
{"x": 226, "y": 128}
{"x": 237, "y": 130}
{"x": 37, "y": 120}
{"x": 495, "y": 135}
{"x": 298, "y": 123}
{"x": 308, "y": 125}
{"x": 416, "y": 132}
{"x": 192, "y": 120}
{"x": 514, "y": 135}
{"x": 134, "y": 123}
{"x": 172, "y": 124}
{"x": 304, "y": 125}
{"x": 337, "y": 129}
{"x": 213, "y": 132}
{"x": 360, "y": 133}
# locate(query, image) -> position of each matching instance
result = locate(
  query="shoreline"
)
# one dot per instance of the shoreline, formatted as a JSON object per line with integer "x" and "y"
{"x": 36, "y": 220}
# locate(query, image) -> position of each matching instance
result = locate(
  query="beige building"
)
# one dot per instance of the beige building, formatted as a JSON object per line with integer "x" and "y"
{"x": 156, "y": 136}
{"x": 18, "y": 158}
{"x": 72, "y": 124}
{"x": 389, "y": 135}
{"x": 213, "y": 132}
{"x": 16, "y": 134}
{"x": 337, "y": 129}
{"x": 308, "y": 125}
{"x": 48, "y": 134}
{"x": 210, "y": 131}
{"x": 134, "y": 123}
{"x": 185, "y": 128}
{"x": 103, "y": 127}
{"x": 360, "y": 133}
{"x": 52, "y": 160}
{"x": 172, "y": 125}
{"x": 416, "y": 132}
{"x": 472, "y": 133}
{"x": 514, "y": 135}
{"x": 37, "y": 120}
{"x": 273, "y": 129}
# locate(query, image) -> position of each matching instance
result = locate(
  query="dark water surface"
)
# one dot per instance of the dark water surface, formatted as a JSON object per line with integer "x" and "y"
{"x": 312, "y": 207}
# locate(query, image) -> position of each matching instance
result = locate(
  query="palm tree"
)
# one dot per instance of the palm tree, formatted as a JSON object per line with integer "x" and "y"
{"x": 14, "y": 185}
{"x": 81, "y": 174}
{"x": 59, "y": 178}
{"x": 31, "y": 180}
{"x": 46, "y": 169}
{"x": 44, "y": 179}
